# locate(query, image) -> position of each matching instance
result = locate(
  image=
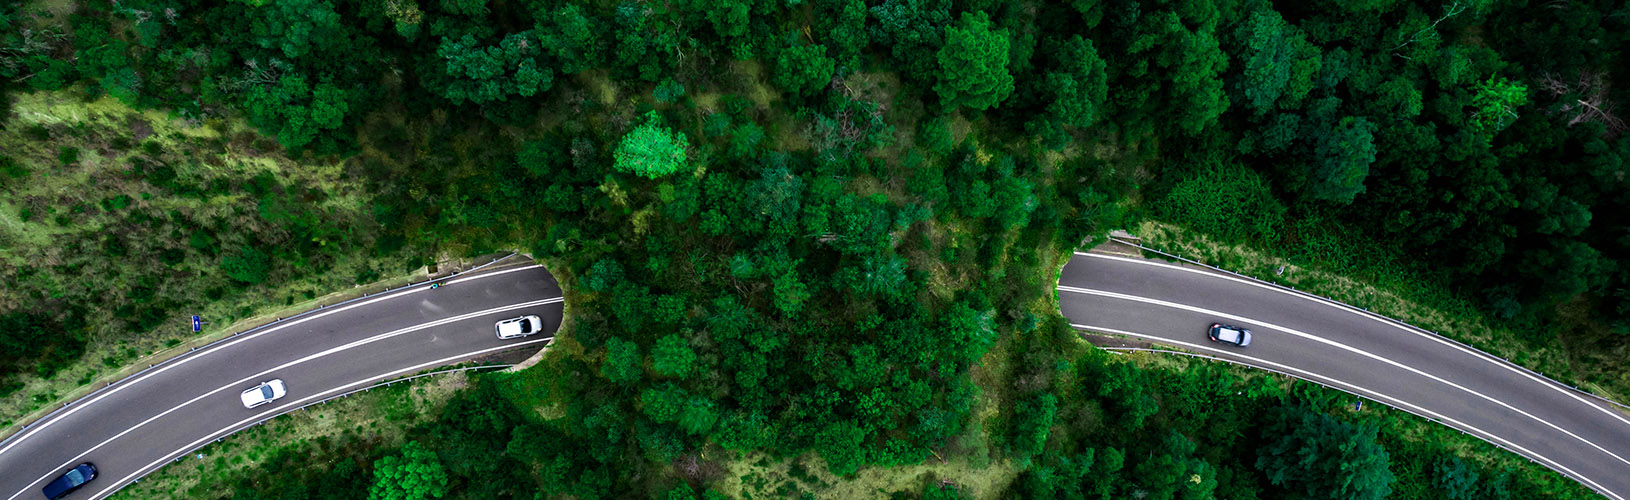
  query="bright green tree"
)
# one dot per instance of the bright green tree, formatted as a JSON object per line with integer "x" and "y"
{"x": 416, "y": 474}
{"x": 1494, "y": 106}
{"x": 651, "y": 150}
{"x": 973, "y": 64}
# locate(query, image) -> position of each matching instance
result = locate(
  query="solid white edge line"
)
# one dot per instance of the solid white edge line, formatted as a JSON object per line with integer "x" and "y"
{"x": 1490, "y": 358}
{"x": 1487, "y": 436}
{"x": 1338, "y": 345}
{"x": 121, "y": 385}
{"x": 277, "y": 412}
{"x": 324, "y": 353}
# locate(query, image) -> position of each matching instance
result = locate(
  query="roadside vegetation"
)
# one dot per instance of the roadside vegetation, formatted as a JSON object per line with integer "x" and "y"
{"x": 809, "y": 246}
{"x": 117, "y": 225}
{"x": 1574, "y": 355}
{"x": 342, "y": 435}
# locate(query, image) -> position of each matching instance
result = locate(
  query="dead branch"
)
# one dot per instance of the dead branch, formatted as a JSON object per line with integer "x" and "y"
{"x": 1448, "y": 12}
{"x": 1590, "y": 102}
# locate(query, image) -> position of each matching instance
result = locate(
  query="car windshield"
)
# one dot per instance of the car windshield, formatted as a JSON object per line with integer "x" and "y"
{"x": 266, "y": 392}
{"x": 526, "y": 326}
{"x": 74, "y": 476}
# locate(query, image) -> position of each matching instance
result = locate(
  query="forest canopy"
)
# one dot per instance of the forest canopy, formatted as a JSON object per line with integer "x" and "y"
{"x": 801, "y": 228}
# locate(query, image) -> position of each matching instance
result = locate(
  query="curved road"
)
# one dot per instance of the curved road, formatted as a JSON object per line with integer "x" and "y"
{"x": 1573, "y": 433}
{"x": 142, "y": 423}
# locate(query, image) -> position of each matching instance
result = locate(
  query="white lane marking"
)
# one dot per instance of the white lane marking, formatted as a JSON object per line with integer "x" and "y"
{"x": 1502, "y": 363}
{"x": 1373, "y": 394}
{"x": 1338, "y": 345}
{"x": 120, "y": 386}
{"x": 275, "y": 412}
{"x": 257, "y": 376}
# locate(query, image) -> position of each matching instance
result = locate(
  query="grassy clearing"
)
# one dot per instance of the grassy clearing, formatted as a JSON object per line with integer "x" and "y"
{"x": 759, "y": 476}
{"x": 1394, "y": 291}
{"x": 377, "y": 419}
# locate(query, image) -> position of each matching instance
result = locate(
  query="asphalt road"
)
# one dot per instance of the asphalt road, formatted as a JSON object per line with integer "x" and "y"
{"x": 1570, "y": 432}
{"x": 144, "y": 422}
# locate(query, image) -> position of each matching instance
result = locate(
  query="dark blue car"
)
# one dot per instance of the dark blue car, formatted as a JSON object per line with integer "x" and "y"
{"x": 70, "y": 481}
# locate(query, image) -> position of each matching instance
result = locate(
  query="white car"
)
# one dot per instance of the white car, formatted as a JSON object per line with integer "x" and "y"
{"x": 266, "y": 392}
{"x": 518, "y": 327}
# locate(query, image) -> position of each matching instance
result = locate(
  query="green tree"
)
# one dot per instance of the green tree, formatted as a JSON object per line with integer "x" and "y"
{"x": 803, "y": 69}
{"x": 911, "y": 29}
{"x": 698, "y": 416}
{"x": 1014, "y": 201}
{"x": 1321, "y": 457}
{"x": 1456, "y": 478}
{"x": 295, "y": 111}
{"x": 1173, "y": 473}
{"x": 481, "y": 74}
{"x": 673, "y": 357}
{"x": 1343, "y": 158}
{"x": 570, "y": 34}
{"x": 604, "y": 275}
{"x": 622, "y": 364}
{"x": 668, "y": 91}
{"x": 663, "y": 403}
{"x": 1033, "y": 421}
{"x": 1187, "y": 63}
{"x": 938, "y": 491}
{"x": 839, "y": 444}
{"x": 651, "y": 150}
{"x": 1495, "y": 103}
{"x": 973, "y": 64}
{"x": 846, "y": 34}
{"x": 1279, "y": 61}
{"x": 1079, "y": 86}
{"x": 416, "y": 474}
{"x": 298, "y": 27}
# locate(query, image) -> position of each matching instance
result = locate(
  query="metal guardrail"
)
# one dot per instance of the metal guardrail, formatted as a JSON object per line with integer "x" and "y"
{"x": 320, "y": 307}
{"x": 323, "y": 401}
{"x": 1370, "y": 313}
{"x": 1113, "y": 350}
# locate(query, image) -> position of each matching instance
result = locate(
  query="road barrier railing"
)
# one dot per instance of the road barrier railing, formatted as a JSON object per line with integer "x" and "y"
{"x": 1366, "y": 311}
{"x": 20, "y": 430}
{"x": 1361, "y": 397}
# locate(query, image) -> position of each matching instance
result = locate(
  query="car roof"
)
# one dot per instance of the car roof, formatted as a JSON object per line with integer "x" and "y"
{"x": 1229, "y": 334}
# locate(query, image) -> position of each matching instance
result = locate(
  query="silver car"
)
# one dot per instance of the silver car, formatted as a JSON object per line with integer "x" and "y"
{"x": 266, "y": 392}
{"x": 518, "y": 327}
